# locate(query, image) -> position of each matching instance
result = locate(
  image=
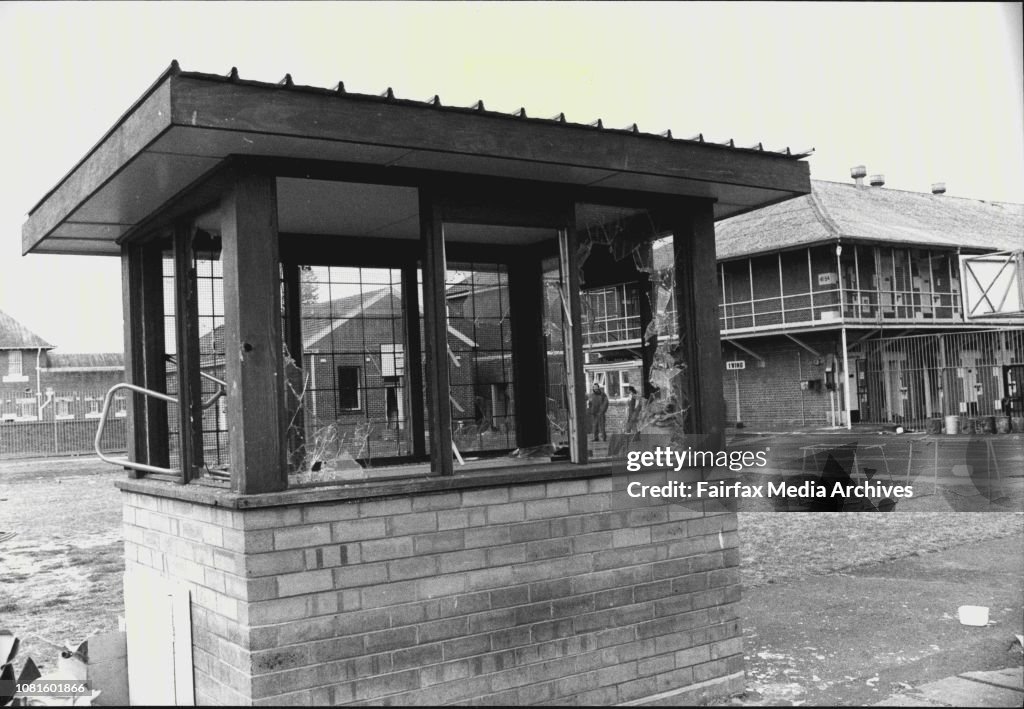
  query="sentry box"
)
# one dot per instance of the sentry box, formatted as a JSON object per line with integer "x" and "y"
{"x": 356, "y": 330}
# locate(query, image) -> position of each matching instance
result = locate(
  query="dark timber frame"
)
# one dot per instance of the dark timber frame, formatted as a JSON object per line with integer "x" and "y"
{"x": 252, "y": 250}
{"x": 173, "y": 161}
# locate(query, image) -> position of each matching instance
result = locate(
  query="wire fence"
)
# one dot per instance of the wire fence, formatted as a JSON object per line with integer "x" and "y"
{"x": 913, "y": 379}
{"x": 59, "y": 423}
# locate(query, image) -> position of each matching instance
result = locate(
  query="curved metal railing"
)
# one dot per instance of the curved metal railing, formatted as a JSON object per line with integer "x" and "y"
{"x": 145, "y": 467}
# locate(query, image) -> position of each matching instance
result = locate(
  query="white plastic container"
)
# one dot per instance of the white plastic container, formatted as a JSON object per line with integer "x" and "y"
{"x": 952, "y": 425}
{"x": 973, "y": 615}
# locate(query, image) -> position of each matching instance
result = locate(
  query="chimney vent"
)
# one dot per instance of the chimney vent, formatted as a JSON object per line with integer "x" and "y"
{"x": 938, "y": 188}
{"x": 877, "y": 180}
{"x": 857, "y": 173}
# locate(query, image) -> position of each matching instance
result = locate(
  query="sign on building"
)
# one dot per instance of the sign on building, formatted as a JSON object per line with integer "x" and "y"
{"x": 736, "y": 364}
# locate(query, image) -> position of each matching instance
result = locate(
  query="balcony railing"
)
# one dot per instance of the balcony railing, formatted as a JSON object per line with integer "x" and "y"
{"x": 860, "y": 306}
{"x": 610, "y": 331}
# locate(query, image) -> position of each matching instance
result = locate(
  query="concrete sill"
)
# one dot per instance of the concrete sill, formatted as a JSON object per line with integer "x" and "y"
{"x": 369, "y": 489}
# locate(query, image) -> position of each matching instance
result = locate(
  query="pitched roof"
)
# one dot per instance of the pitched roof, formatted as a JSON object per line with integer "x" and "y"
{"x": 835, "y": 211}
{"x": 85, "y": 361}
{"x": 15, "y": 336}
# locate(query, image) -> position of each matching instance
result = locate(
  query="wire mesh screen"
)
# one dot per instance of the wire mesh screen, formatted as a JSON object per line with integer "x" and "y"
{"x": 210, "y": 325}
{"x": 354, "y": 394}
{"x": 170, "y": 368}
{"x": 480, "y": 357}
{"x": 208, "y": 287}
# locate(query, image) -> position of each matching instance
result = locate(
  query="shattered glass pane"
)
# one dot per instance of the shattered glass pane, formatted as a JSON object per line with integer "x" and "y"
{"x": 630, "y": 326}
{"x": 348, "y": 401}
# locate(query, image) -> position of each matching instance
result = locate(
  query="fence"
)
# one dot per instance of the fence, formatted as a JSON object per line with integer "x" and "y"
{"x": 58, "y": 424}
{"x": 911, "y": 379}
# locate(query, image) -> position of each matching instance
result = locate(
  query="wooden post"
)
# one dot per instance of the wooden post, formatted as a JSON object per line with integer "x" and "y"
{"x": 190, "y": 392}
{"x": 413, "y": 357}
{"x": 252, "y": 335}
{"x": 693, "y": 243}
{"x": 134, "y": 362}
{"x": 568, "y": 248}
{"x": 526, "y": 312}
{"x": 435, "y": 315}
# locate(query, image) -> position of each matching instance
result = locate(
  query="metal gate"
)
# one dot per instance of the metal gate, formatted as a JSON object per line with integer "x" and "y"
{"x": 911, "y": 379}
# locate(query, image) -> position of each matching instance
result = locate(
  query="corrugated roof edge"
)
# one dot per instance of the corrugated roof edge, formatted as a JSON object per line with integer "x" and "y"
{"x": 388, "y": 96}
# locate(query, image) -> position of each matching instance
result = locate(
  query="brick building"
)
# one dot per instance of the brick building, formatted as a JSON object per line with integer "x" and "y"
{"x": 877, "y": 270}
{"x": 34, "y": 378}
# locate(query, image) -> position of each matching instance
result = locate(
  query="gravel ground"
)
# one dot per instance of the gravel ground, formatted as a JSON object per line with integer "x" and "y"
{"x": 60, "y": 576}
{"x": 778, "y": 547}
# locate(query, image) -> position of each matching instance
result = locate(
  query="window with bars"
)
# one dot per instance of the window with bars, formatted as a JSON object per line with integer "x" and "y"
{"x": 392, "y": 360}
{"x": 14, "y": 363}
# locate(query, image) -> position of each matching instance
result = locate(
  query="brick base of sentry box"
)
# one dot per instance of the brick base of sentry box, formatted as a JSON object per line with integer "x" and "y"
{"x": 514, "y": 594}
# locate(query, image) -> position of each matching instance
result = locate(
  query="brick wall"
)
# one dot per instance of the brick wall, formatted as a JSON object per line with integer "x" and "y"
{"x": 204, "y": 548}
{"x": 770, "y": 396}
{"x": 532, "y": 593}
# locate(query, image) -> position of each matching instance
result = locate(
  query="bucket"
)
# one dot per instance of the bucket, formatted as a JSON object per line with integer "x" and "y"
{"x": 985, "y": 424}
{"x": 952, "y": 425}
{"x": 973, "y": 615}
{"x": 1002, "y": 424}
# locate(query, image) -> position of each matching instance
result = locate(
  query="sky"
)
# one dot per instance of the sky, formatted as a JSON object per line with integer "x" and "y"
{"x": 919, "y": 92}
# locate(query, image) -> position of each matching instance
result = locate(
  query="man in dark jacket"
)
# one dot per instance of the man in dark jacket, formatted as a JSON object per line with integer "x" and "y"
{"x": 597, "y": 406}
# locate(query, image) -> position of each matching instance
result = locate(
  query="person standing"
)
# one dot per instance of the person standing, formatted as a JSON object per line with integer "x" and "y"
{"x": 597, "y": 407}
{"x": 632, "y": 410}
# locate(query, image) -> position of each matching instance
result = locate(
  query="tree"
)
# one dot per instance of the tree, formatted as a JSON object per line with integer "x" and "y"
{"x": 309, "y": 286}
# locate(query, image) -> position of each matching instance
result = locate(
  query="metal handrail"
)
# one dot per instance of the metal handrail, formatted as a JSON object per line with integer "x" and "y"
{"x": 103, "y": 422}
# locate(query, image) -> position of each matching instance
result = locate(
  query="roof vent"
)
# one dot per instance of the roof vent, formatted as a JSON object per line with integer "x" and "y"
{"x": 877, "y": 180}
{"x": 858, "y": 173}
{"x": 938, "y": 188}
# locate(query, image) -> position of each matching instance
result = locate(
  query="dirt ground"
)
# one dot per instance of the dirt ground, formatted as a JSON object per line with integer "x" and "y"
{"x": 60, "y": 575}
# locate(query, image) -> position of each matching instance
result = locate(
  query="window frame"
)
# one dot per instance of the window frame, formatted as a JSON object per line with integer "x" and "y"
{"x": 396, "y": 357}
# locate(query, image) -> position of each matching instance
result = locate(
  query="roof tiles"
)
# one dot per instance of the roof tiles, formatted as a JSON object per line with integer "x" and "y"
{"x": 835, "y": 211}
{"x": 15, "y": 336}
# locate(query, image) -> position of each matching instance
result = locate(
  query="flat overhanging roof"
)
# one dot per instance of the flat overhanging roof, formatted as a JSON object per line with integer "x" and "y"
{"x": 187, "y": 124}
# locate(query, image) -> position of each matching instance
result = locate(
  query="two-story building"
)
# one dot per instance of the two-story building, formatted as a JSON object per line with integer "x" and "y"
{"x": 34, "y": 378}
{"x": 877, "y": 269}
{"x": 22, "y": 355}
{"x": 847, "y": 304}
